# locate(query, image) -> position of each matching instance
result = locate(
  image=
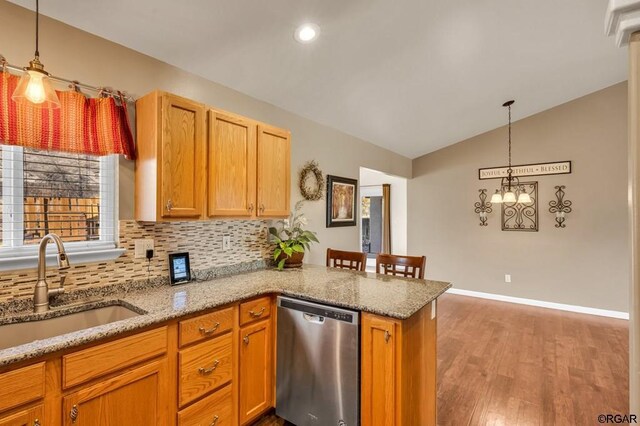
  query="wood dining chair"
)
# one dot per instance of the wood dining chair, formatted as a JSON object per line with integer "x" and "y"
{"x": 353, "y": 260}
{"x": 404, "y": 266}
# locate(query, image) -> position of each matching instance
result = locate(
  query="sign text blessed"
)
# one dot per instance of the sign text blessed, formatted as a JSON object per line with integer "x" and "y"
{"x": 556, "y": 168}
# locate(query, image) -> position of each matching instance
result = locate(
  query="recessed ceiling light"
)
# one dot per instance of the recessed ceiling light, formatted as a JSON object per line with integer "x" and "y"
{"x": 306, "y": 33}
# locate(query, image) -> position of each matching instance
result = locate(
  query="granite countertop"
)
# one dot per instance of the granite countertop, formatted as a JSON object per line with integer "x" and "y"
{"x": 379, "y": 294}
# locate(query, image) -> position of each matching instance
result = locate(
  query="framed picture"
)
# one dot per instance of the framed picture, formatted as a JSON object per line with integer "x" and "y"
{"x": 342, "y": 194}
{"x": 179, "y": 268}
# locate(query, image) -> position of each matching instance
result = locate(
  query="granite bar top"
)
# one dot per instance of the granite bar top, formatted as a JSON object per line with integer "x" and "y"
{"x": 379, "y": 294}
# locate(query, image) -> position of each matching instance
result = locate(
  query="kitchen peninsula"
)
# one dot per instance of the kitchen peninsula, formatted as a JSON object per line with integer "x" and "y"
{"x": 214, "y": 341}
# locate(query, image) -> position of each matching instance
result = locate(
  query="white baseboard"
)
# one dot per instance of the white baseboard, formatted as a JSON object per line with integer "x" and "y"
{"x": 540, "y": 303}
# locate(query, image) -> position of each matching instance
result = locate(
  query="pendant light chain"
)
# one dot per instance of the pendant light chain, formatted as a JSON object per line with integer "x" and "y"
{"x": 37, "y": 28}
{"x": 509, "y": 137}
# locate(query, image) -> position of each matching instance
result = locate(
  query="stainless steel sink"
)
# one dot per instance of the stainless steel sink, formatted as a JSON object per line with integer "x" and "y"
{"x": 28, "y": 331}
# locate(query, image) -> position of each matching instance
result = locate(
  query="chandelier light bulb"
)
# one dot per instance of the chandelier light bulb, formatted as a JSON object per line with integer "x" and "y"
{"x": 509, "y": 197}
{"x": 524, "y": 198}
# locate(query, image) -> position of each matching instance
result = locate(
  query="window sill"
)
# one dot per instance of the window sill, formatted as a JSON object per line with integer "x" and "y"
{"x": 76, "y": 257}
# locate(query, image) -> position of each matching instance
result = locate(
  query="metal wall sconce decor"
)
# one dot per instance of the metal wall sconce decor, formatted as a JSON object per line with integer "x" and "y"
{"x": 483, "y": 207}
{"x": 519, "y": 216}
{"x": 560, "y": 207}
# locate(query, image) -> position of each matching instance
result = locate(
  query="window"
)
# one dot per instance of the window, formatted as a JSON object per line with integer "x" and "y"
{"x": 41, "y": 192}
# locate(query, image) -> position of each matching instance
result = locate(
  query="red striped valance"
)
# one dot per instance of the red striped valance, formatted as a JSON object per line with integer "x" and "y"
{"x": 96, "y": 126}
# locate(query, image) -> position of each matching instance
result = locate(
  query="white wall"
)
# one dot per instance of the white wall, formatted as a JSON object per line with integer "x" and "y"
{"x": 398, "y": 205}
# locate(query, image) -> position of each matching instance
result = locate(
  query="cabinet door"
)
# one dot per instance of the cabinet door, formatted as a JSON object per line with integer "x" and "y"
{"x": 380, "y": 359}
{"x": 183, "y": 150}
{"x": 29, "y": 417}
{"x": 137, "y": 397}
{"x": 232, "y": 165}
{"x": 256, "y": 370}
{"x": 274, "y": 171}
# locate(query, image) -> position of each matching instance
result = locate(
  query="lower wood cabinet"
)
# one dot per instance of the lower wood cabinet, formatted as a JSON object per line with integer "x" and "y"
{"x": 256, "y": 365}
{"x": 137, "y": 397}
{"x": 28, "y": 417}
{"x": 216, "y": 409}
{"x": 398, "y": 370}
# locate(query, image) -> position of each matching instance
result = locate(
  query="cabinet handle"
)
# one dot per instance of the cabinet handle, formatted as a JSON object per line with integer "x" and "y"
{"x": 261, "y": 208}
{"x": 387, "y": 336}
{"x": 257, "y": 314}
{"x": 206, "y": 332}
{"x": 215, "y": 421}
{"x": 245, "y": 339}
{"x": 74, "y": 413}
{"x": 169, "y": 205}
{"x": 205, "y": 371}
{"x": 250, "y": 207}
{"x": 36, "y": 422}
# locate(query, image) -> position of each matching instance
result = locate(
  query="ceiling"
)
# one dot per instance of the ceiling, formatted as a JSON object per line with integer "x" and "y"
{"x": 412, "y": 76}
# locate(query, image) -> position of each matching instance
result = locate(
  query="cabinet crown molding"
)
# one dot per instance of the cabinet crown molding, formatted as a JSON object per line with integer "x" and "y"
{"x": 622, "y": 19}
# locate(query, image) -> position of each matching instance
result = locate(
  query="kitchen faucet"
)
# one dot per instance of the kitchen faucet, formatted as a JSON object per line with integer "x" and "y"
{"x": 42, "y": 293}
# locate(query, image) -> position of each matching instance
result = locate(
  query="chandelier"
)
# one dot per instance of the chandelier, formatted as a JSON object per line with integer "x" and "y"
{"x": 510, "y": 189}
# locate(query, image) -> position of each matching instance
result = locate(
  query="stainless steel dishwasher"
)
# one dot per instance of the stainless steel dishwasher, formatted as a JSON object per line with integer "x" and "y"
{"x": 318, "y": 364}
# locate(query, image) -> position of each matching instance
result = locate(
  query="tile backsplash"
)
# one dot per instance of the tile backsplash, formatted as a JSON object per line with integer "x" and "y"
{"x": 203, "y": 241}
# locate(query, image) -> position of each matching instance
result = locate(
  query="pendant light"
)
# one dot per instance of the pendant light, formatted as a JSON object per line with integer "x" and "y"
{"x": 34, "y": 86}
{"x": 510, "y": 185}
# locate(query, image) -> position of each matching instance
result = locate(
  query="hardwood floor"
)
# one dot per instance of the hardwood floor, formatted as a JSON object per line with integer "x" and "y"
{"x": 506, "y": 364}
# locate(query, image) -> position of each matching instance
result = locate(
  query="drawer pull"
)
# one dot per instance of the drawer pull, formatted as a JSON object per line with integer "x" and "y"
{"x": 387, "y": 336}
{"x": 257, "y": 314}
{"x": 215, "y": 421}
{"x": 207, "y": 332}
{"x": 205, "y": 371}
{"x": 74, "y": 413}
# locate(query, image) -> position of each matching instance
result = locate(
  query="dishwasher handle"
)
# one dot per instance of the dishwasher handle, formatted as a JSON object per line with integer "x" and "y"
{"x": 316, "y": 319}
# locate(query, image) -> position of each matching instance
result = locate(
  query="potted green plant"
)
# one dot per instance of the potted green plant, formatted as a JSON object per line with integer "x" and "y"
{"x": 291, "y": 239}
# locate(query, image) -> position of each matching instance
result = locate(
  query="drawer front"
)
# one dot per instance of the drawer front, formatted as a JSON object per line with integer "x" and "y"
{"x": 30, "y": 417}
{"x": 216, "y": 409}
{"x": 254, "y": 310}
{"x": 205, "y": 326}
{"x": 85, "y": 365}
{"x": 20, "y": 386}
{"x": 205, "y": 367}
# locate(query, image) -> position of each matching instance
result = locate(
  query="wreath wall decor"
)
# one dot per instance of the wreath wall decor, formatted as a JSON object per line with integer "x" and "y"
{"x": 315, "y": 191}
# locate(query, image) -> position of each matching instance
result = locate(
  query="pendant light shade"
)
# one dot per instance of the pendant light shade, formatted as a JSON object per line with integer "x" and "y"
{"x": 35, "y": 88}
{"x": 496, "y": 198}
{"x": 509, "y": 197}
{"x": 524, "y": 198}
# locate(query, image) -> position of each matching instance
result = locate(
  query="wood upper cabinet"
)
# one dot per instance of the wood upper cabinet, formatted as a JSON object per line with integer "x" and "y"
{"x": 256, "y": 370}
{"x": 274, "y": 171}
{"x": 171, "y": 164}
{"x": 232, "y": 165}
{"x": 136, "y": 397}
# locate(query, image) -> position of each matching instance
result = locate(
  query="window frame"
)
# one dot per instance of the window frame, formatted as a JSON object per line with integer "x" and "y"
{"x": 20, "y": 256}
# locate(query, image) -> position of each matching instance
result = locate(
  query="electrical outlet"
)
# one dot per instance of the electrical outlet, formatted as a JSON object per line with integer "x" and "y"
{"x": 226, "y": 242}
{"x": 141, "y": 247}
{"x": 507, "y": 278}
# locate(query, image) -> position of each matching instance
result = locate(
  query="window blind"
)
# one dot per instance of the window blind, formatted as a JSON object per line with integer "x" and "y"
{"x": 41, "y": 192}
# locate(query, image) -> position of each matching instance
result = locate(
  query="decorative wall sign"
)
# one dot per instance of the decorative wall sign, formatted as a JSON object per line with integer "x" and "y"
{"x": 341, "y": 201}
{"x": 483, "y": 207}
{"x": 560, "y": 207}
{"x": 522, "y": 216}
{"x": 315, "y": 191}
{"x": 542, "y": 169}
